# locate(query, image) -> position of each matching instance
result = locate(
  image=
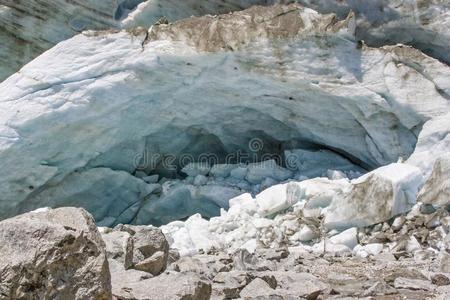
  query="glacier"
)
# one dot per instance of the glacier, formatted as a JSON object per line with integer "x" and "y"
{"x": 217, "y": 149}
{"x": 28, "y": 28}
{"x": 86, "y": 121}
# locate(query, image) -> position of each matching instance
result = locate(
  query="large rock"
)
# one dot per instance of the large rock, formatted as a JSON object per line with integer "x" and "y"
{"x": 53, "y": 254}
{"x": 60, "y": 115}
{"x": 437, "y": 187}
{"x": 375, "y": 197}
{"x": 293, "y": 284}
{"x": 228, "y": 285}
{"x": 257, "y": 288}
{"x": 139, "y": 247}
{"x": 119, "y": 247}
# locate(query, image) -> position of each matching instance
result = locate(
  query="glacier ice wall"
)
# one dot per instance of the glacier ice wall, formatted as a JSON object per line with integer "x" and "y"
{"x": 30, "y": 27}
{"x": 74, "y": 121}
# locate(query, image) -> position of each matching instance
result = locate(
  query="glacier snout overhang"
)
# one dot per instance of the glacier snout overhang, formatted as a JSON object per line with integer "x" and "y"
{"x": 76, "y": 122}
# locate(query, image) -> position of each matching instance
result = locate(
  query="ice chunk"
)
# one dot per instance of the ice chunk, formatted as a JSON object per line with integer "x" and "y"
{"x": 194, "y": 169}
{"x": 433, "y": 142}
{"x": 375, "y": 197}
{"x": 151, "y": 178}
{"x": 272, "y": 200}
{"x": 331, "y": 248}
{"x": 222, "y": 170}
{"x": 369, "y": 249}
{"x": 268, "y": 182}
{"x": 336, "y": 175}
{"x": 305, "y": 234}
{"x": 244, "y": 203}
{"x": 348, "y": 238}
{"x": 200, "y": 180}
{"x": 278, "y": 198}
{"x": 250, "y": 245}
{"x": 217, "y": 193}
{"x": 319, "y": 192}
{"x": 199, "y": 233}
{"x": 436, "y": 189}
{"x": 257, "y": 172}
{"x": 239, "y": 173}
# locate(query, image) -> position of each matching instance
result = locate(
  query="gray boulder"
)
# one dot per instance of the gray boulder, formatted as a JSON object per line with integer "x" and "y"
{"x": 53, "y": 254}
{"x": 228, "y": 285}
{"x": 138, "y": 247}
{"x": 119, "y": 246}
{"x": 203, "y": 264}
{"x": 258, "y": 288}
{"x": 167, "y": 286}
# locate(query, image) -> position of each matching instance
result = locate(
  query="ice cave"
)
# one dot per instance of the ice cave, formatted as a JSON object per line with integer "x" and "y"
{"x": 227, "y": 128}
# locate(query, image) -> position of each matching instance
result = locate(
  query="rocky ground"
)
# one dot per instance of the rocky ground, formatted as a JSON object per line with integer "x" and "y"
{"x": 406, "y": 258}
{"x": 60, "y": 254}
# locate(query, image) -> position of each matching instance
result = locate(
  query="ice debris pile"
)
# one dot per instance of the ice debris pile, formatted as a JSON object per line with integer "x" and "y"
{"x": 296, "y": 212}
{"x": 206, "y": 189}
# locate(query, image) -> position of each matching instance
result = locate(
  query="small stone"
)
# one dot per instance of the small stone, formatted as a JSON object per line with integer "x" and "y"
{"x": 413, "y": 245}
{"x": 398, "y": 223}
{"x": 427, "y": 209}
{"x": 274, "y": 254}
{"x": 380, "y": 288}
{"x": 385, "y": 227}
{"x": 230, "y": 284}
{"x": 300, "y": 284}
{"x": 173, "y": 256}
{"x": 256, "y": 288}
{"x": 423, "y": 255}
{"x": 153, "y": 264}
{"x": 432, "y": 221}
{"x": 444, "y": 261}
{"x": 386, "y": 256}
{"x": 412, "y": 284}
{"x": 440, "y": 279}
